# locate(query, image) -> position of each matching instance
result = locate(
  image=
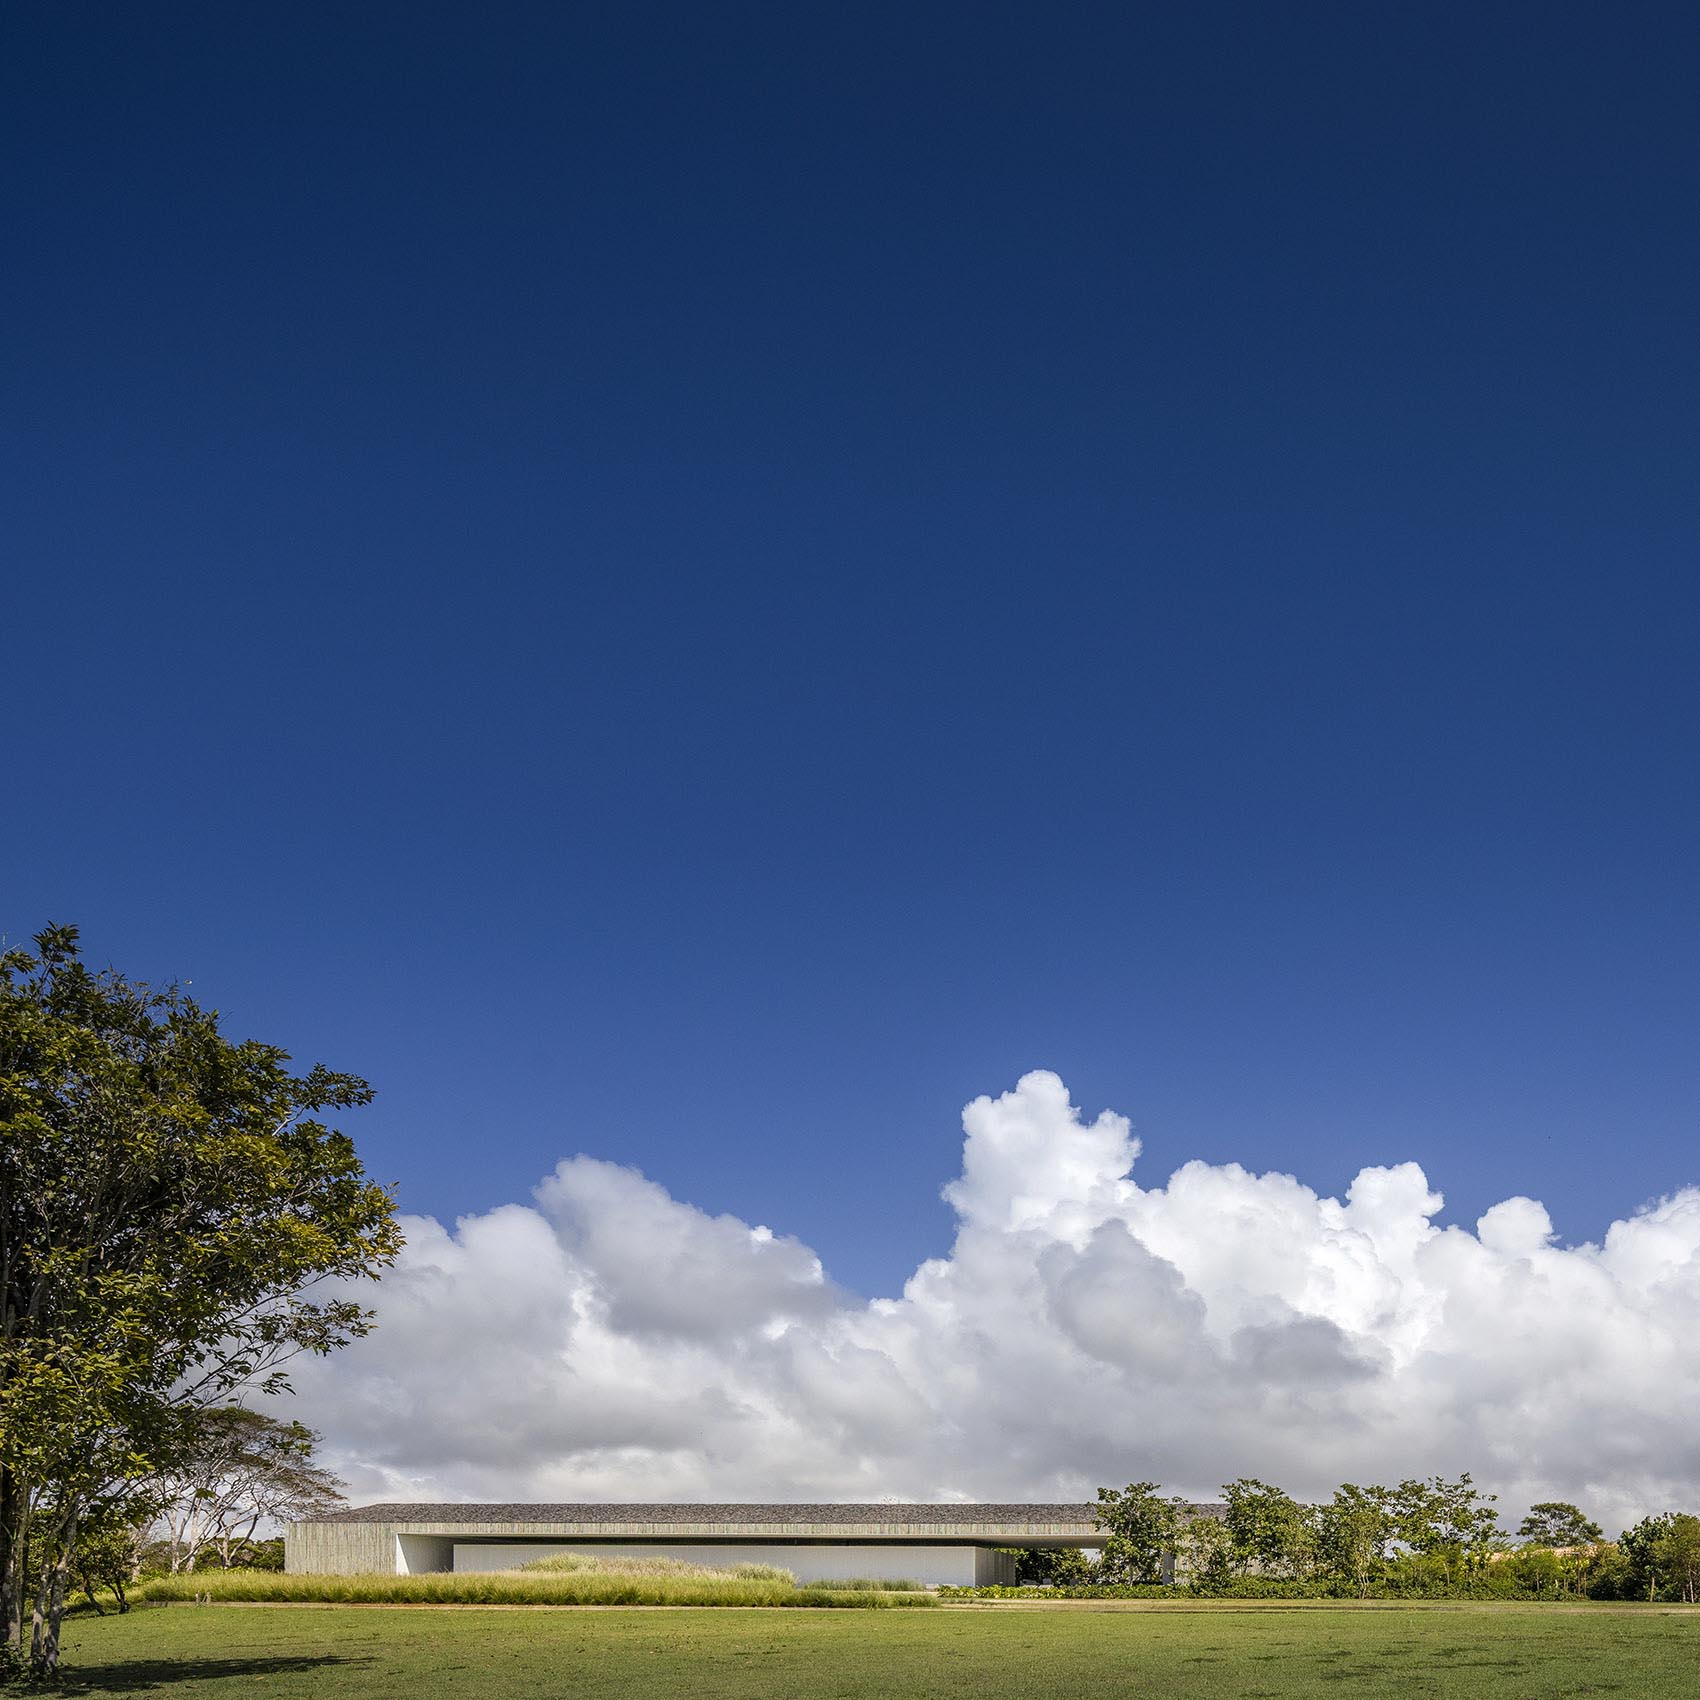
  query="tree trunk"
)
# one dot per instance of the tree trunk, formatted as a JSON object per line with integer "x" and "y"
{"x": 49, "y": 1610}
{"x": 14, "y": 1558}
{"x": 8, "y": 1566}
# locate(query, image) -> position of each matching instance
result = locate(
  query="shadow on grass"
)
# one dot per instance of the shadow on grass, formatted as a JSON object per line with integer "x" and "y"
{"x": 146, "y": 1676}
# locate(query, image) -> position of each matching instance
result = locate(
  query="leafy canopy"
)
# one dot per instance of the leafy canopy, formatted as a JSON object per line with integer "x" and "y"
{"x": 170, "y": 1202}
{"x": 1141, "y": 1532}
{"x": 1558, "y": 1523}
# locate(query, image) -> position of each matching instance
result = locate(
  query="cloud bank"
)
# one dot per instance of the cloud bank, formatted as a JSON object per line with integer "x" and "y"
{"x": 607, "y": 1341}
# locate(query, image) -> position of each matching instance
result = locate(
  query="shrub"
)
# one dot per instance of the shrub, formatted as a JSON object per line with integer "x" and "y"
{"x": 1402, "y": 1583}
{"x": 1060, "y": 1567}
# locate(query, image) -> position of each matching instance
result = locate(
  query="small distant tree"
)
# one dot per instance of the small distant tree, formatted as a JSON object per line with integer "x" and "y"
{"x": 1141, "y": 1532}
{"x": 108, "y": 1554}
{"x": 1557, "y": 1523}
{"x": 237, "y": 1470}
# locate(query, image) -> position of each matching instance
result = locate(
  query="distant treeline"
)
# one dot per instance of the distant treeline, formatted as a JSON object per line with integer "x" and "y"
{"x": 1419, "y": 1539}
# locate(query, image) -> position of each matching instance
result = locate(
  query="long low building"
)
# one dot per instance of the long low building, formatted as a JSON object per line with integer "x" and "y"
{"x": 935, "y": 1544}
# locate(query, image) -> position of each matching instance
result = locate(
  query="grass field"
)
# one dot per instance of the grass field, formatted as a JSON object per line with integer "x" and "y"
{"x": 1046, "y": 1652}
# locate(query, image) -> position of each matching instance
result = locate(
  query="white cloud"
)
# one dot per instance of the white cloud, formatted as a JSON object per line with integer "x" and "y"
{"x": 610, "y": 1342}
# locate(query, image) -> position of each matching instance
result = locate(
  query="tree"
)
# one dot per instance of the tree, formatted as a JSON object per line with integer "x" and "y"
{"x": 1643, "y": 1548}
{"x": 1205, "y": 1552}
{"x": 1355, "y": 1530}
{"x": 1453, "y": 1523}
{"x": 1267, "y": 1529}
{"x": 108, "y": 1553}
{"x": 236, "y": 1469}
{"x": 168, "y": 1202}
{"x": 1679, "y": 1551}
{"x": 1141, "y": 1529}
{"x": 1557, "y": 1523}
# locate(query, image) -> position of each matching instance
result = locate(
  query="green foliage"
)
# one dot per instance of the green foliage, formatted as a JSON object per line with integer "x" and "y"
{"x": 1141, "y": 1532}
{"x": 1354, "y": 1531}
{"x": 1267, "y": 1530}
{"x": 234, "y": 1469}
{"x": 107, "y": 1555}
{"x": 1557, "y": 1523}
{"x": 1679, "y": 1553}
{"x": 168, "y": 1201}
{"x": 1409, "y": 1577}
{"x": 1642, "y": 1548}
{"x": 1053, "y": 1566}
{"x": 1205, "y": 1558}
{"x": 1421, "y": 1539}
{"x": 1085, "y": 1591}
{"x": 1451, "y": 1521}
{"x": 514, "y": 1587}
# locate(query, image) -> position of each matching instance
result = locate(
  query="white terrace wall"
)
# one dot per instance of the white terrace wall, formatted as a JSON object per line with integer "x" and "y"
{"x": 962, "y": 1548}
{"x": 958, "y": 1566}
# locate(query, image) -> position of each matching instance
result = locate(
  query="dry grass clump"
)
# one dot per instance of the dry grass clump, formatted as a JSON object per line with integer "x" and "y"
{"x": 875, "y": 1584}
{"x": 590, "y": 1564}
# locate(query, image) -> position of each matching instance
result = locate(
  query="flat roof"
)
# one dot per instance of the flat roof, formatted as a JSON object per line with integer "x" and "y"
{"x": 695, "y": 1515}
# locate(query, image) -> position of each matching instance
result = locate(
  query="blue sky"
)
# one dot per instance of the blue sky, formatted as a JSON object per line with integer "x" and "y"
{"x": 703, "y": 585}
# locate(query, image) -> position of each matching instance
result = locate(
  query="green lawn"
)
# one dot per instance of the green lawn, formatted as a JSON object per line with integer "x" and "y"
{"x": 986, "y": 1652}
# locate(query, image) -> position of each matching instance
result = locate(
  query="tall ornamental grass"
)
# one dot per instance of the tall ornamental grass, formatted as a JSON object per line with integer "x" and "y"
{"x": 874, "y": 1584}
{"x": 587, "y": 1564}
{"x": 510, "y": 1588}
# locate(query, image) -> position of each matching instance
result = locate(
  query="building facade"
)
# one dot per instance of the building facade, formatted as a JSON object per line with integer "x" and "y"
{"x": 936, "y": 1544}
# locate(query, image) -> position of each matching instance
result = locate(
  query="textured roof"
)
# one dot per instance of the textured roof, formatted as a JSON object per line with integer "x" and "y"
{"x": 755, "y": 1515}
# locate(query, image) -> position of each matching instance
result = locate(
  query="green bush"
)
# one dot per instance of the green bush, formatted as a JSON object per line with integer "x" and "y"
{"x": 1494, "y": 1582}
{"x": 1484, "y": 1586}
{"x": 1057, "y": 1567}
{"x": 1098, "y": 1591}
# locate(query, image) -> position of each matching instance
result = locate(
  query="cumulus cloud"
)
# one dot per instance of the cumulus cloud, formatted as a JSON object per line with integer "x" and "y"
{"x": 610, "y": 1342}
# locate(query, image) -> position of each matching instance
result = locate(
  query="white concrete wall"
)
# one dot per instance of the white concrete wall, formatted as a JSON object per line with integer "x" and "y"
{"x": 930, "y": 1564}
{"x": 340, "y": 1549}
{"x": 417, "y": 1555}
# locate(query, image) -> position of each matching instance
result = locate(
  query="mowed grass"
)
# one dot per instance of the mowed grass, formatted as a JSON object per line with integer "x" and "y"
{"x": 1046, "y": 1652}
